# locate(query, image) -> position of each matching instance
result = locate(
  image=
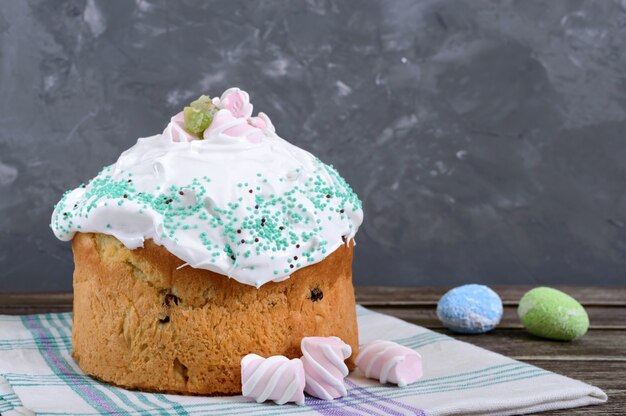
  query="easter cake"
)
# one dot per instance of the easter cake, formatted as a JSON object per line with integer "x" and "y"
{"x": 200, "y": 245}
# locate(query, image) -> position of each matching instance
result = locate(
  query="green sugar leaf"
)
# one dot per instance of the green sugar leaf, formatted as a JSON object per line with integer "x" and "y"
{"x": 203, "y": 102}
{"x": 199, "y": 115}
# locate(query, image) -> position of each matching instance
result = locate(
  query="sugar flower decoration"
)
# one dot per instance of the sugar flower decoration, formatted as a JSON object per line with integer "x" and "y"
{"x": 227, "y": 116}
{"x": 199, "y": 115}
{"x": 237, "y": 102}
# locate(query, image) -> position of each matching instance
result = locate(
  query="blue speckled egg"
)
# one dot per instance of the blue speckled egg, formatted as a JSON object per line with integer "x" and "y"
{"x": 470, "y": 309}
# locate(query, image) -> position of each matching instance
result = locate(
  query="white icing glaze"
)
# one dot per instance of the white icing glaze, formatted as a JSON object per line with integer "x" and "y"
{"x": 243, "y": 202}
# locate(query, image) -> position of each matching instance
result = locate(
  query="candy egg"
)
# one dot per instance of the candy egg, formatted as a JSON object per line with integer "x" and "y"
{"x": 552, "y": 314}
{"x": 470, "y": 309}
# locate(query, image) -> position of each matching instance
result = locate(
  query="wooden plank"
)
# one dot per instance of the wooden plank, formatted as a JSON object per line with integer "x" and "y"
{"x": 398, "y": 296}
{"x": 35, "y": 299}
{"x": 413, "y": 304}
{"x": 29, "y": 303}
{"x": 600, "y": 317}
{"x": 29, "y": 310}
{"x": 379, "y": 296}
{"x": 517, "y": 343}
{"x": 597, "y": 373}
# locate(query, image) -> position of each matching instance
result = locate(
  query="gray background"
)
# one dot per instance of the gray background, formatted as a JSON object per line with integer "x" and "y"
{"x": 486, "y": 139}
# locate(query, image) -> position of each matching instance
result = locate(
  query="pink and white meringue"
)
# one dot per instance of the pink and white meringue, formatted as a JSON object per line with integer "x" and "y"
{"x": 390, "y": 363}
{"x": 263, "y": 122}
{"x": 274, "y": 378}
{"x": 225, "y": 123}
{"x": 237, "y": 102}
{"x": 176, "y": 129}
{"x": 324, "y": 366}
{"x": 234, "y": 119}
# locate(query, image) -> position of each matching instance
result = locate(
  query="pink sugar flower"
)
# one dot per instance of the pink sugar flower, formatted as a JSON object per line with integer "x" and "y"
{"x": 237, "y": 102}
{"x": 225, "y": 123}
{"x": 176, "y": 129}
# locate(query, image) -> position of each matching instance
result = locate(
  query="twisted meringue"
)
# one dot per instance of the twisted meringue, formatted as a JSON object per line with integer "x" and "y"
{"x": 324, "y": 366}
{"x": 390, "y": 362}
{"x": 274, "y": 378}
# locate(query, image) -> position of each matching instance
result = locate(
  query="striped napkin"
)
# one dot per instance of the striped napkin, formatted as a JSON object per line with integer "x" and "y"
{"x": 38, "y": 376}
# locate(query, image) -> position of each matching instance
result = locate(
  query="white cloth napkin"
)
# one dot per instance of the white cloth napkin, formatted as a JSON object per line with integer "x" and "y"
{"x": 38, "y": 376}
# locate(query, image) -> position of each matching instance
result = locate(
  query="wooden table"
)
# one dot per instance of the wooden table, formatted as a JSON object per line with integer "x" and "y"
{"x": 599, "y": 358}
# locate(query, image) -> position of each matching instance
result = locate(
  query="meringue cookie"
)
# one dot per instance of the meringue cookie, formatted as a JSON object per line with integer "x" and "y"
{"x": 390, "y": 363}
{"x": 274, "y": 378}
{"x": 324, "y": 366}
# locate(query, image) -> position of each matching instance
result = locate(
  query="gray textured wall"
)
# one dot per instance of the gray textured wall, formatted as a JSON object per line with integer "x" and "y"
{"x": 486, "y": 139}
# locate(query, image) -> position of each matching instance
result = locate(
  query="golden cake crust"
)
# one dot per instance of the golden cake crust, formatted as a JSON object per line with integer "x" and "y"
{"x": 142, "y": 323}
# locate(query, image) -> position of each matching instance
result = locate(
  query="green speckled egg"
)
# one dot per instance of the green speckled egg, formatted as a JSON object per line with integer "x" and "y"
{"x": 552, "y": 314}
